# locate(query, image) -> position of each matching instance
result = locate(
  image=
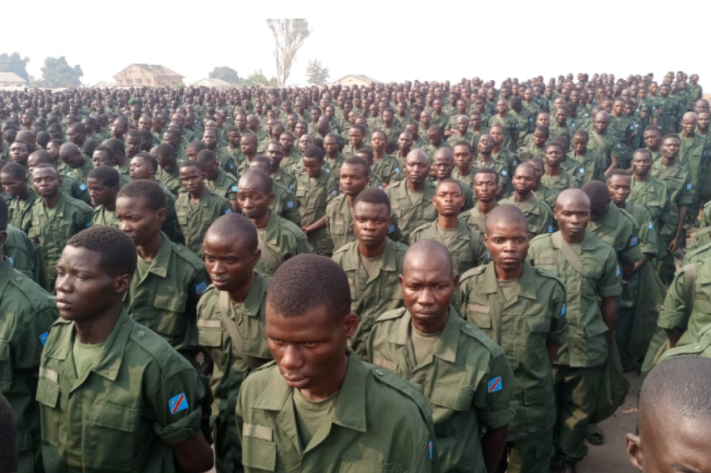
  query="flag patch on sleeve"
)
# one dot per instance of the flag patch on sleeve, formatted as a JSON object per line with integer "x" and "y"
{"x": 43, "y": 338}
{"x": 200, "y": 288}
{"x": 178, "y": 403}
{"x": 495, "y": 385}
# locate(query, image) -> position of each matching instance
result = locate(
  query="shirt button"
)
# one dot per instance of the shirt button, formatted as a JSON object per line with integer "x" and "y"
{"x": 19, "y": 278}
{"x": 379, "y": 372}
{"x": 697, "y": 347}
{"x": 141, "y": 334}
{"x": 469, "y": 326}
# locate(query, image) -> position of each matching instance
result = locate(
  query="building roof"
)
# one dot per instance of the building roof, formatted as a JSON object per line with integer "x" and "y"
{"x": 11, "y": 77}
{"x": 358, "y": 79}
{"x": 154, "y": 69}
{"x": 216, "y": 83}
{"x": 104, "y": 84}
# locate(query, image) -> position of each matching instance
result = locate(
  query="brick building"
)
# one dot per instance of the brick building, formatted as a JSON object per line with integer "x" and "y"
{"x": 148, "y": 75}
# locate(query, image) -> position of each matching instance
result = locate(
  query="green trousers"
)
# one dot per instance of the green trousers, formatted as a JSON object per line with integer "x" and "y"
{"x": 576, "y": 392}
{"x": 530, "y": 455}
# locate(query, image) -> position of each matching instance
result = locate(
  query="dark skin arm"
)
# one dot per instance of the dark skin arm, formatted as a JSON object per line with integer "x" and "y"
{"x": 614, "y": 162}
{"x": 193, "y": 455}
{"x": 646, "y": 257}
{"x": 492, "y": 444}
{"x": 317, "y": 225}
{"x": 673, "y": 335}
{"x": 679, "y": 229}
{"x": 609, "y": 312}
{"x": 553, "y": 351}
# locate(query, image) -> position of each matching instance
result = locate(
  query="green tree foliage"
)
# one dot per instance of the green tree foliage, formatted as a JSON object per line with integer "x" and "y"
{"x": 316, "y": 73}
{"x": 58, "y": 73}
{"x": 225, "y": 73}
{"x": 257, "y": 78}
{"x": 289, "y": 36}
{"x": 14, "y": 63}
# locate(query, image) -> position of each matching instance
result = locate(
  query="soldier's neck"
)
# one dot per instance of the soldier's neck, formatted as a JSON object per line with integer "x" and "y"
{"x": 486, "y": 206}
{"x": 373, "y": 251}
{"x": 503, "y": 274}
{"x": 447, "y": 222}
{"x": 99, "y": 328}
{"x": 150, "y": 249}
{"x": 52, "y": 201}
{"x": 551, "y": 171}
{"x": 239, "y": 295}
{"x": 522, "y": 197}
{"x": 263, "y": 221}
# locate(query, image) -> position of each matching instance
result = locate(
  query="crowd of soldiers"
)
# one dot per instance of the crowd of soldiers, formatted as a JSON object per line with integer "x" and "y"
{"x": 408, "y": 277}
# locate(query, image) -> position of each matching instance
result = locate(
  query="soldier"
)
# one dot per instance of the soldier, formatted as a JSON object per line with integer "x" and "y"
{"x": 169, "y": 172}
{"x": 169, "y": 279}
{"x": 55, "y": 218}
{"x": 411, "y": 199}
{"x": 486, "y": 186}
{"x": 314, "y": 190}
{"x": 230, "y": 322}
{"x": 135, "y": 404}
{"x": 694, "y": 156}
{"x": 604, "y": 142}
{"x": 647, "y": 190}
{"x": 197, "y": 208}
{"x": 278, "y": 238}
{"x": 537, "y": 212}
{"x": 485, "y": 160}
{"x": 589, "y": 269}
{"x": 499, "y": 299}
{"x": 680, "y": 193}
{"x": 13, "y": 178}
{"x": 372, "y": 264}
{"x": 443, "y": 164}
{"x": 429, "y": 344}
{"x": 384, "y": 166}
{"x": 464, "y": 172}
{"x": 77, "y": 164}
{"x": 284, "y": 204}
{"x": 26, "y": 314}
{"x": 675, "y": 394}
{"x": 345, "y": 413}
{"x": 103, "y": 184}
{"x": 555, "y": 177}
{"x": 541, "y": 191}
{"x": 508, "y": 123}
{"x": 275, "y": 154}
{"x": 217, "y": 179}
{"x": 465, "y": 245}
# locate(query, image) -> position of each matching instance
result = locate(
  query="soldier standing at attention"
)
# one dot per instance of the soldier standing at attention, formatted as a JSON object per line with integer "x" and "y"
{"x": 318, "y": 408}
{"x": 429, "y": 344}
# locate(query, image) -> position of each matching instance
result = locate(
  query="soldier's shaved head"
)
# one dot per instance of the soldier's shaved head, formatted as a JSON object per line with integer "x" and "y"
{"x": 573, "y": 196}
{"x": 597, "y": 193}
{"x": 427, "y": 253}
{"x": 235, "y": 227}
{"x": 505, "y": 213}
{"x": 256, "y": 179}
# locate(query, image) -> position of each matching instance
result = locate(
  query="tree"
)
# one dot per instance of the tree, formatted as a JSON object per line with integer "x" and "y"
{"x": 58, "y": 73}
{"x": 14, "y": 63}
{"x": 316, "y": 73}
{"x": 225, "y": 73}
{"x": 289, "y": 35}
{"x": 258, "y": 79}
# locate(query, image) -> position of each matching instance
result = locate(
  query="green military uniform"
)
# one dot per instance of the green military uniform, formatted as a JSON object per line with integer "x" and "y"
{"x": 170, "y": 181}
{"x": 21, "y": 253}
{"x": 75, "y": 189}
{"x": 523, "y": 317}
{"x": 465, "y": 377}
{"x": 547, "y": 195}
{"x": 102, "y": 216}
{"x": 20, "y": 211}
{"x": 578, "y": 367}
{"x": 526, "y": 122}
{"x": 333, "y": 165}
{"x": 26, "y": 314}
{"x": 235, "y": 154}
{"x": 224, "y": 185}
{"x": 694, "y": 156}
{"x": 285, "y": 204}
{"x": 510, "y": 126}
{"x": 651, "y": 193}
{"x": 537, "y": 212}
{"x": 469, "y": 138}
{"x": 52, "y": 228}
{"x": 285, "y": 179}
{"x": 375, "y": 286}
{"x": 465, "y": 245}
{"x": 529, "y": 151}
{"x": 474, "y": 219}
{"x": 430, "y": 149}
{"x": 557, "y": 130}
{"x": 80, "y": 174}
{"x": 412, "y": 209}
{"x": 387, "y": 169}
{"x": 231, "y": 368}
{"x": 164, "y": 294}
{"x": 441, "y": 120}
{"x": 226, "y": 162}
{"x": 279, "y": 241}
{"x": 339, "y": 223}
{"x": 665, "y": 111}
{"x": 700, "y": 347}
{"x": 466, "y": 181}
{"x": 607, "y": 146}
{"x": 500, "y": 166}
{"x": 560, "y": 182}
{"x": 195, "y": 218}
{"x": 313, "y": 195}
{"x": 680, "y": 192}
{"x": 135, "y": 398}
{"x": 377, "y": 422}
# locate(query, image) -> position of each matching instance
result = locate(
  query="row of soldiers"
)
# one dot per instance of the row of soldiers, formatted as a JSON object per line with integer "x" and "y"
{"x": 558, "y": 272}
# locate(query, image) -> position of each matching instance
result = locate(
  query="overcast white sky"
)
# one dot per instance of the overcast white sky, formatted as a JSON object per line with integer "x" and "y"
{"x": 385, "y": 39}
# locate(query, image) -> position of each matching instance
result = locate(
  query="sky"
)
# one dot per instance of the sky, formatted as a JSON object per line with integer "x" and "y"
{"x": 386, "y": 40}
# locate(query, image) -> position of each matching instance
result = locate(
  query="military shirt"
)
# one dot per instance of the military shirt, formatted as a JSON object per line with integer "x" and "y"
{"x": 466, "y": 379}
{"x": 387, "y": 169}
{"x": 529, "y": 151}
{"x": 195, "y": 218}
{"x": 164, "y": 299}
{"x": 139, "y": 394}
{"x": 547, "y": 195}
{"x": 699, "y": 347}
{"x": 102, "y": 216}
{"x": 619, "y": 230}
{"x": 410, "y": 215}
{"x": 474, "y": 219}
{"x": 380, "y": 422}
{"x": 586, "y": 346}
{"x": 279, "y": 241}
{"x": 511, "y": 128}
{"x": 53, "y": 229}
{"x": 523, "y": 327}
{"x": 371, "y": 294}
{"x": 501, "y": 167}
{"x": 465, "y": 245}
{"x": 21, "y": 253}
{"x": 560, "y": 182}
{"x": 26, "y": 314}
{"x": 20, "y": 211}
{"x": 339, "y": 223}
{"x": 225, "y": 185}
{"x": 313, "y": 195}
{"x": 694, "y": 156}
{"x": 81, "y": 174}
{"x": 607, "y": 145}
{"x": 679, "y": 191}
{"x": 651, "y": 193}
{"x": 230, "y": 368}
{"x": 170, "y": 180}
{"x": 537, "y": 213}
{"x": 287, "y": 180}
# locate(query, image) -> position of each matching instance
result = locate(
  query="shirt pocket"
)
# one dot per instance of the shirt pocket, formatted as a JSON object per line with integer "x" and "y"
{"x": 5, "y": 367}
{"x": 182, "y": 218}
{"x": 172, "y": 312}
{"x": 480, "y": 315}
{"x": 258, "y": 454}
{"x": 210, "y": 333}
{"x": 357, "y": 465}
{"x": 48, "y": 397}
{"x": 111, "y": 437}
{"x": 447, "y": 400}
{"x": 533, "y": 349}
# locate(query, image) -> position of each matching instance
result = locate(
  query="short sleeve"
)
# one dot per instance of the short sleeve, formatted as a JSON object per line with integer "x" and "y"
{"x": 686, "y": 195}
{"x": 558, "y": 333}
{"x": 611, "y": 280}
{"x": 631, "y": 254}
{"x": 31, "y": 331}
{"x": 673, "y": 313}
{"x": 493, "y": 394}
{"x": 176, "y": 405}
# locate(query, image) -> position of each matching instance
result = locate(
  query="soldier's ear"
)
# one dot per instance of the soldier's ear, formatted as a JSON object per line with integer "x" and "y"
{"x": 634, "y": 451}
{"x": 350, "y": 324}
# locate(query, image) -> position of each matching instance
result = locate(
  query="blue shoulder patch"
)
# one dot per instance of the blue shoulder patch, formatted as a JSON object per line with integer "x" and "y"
{"x": 11, "y": 260}
{"x": 633, "y": 241}
{"x": 650, "y": 226}
{"x": 562, "y": 312}
{"x": 235, "y": 189}
{"x": 43, "y": 338}
{"x": 81, "y": 186}
{"x": 550, "y": 229}
{"x": 391, "y": 228}
{"x": 200, "y": 288}
{"x": 397, "y": 170}
{"x": 495, "y": 385}
{"x": 178, "y": 403}
{"x": 228, "y": 211}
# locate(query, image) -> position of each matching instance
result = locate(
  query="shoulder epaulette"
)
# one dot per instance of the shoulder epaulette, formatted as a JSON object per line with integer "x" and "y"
{"x": 391, "y": 315}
